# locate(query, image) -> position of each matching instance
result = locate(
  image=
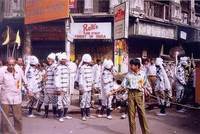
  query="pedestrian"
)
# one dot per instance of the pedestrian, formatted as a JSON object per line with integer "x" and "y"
{"x": 181, "y": 82}
{"x": 162, "y": 86}
{"x": 49, "y": 90}
{"x": 73, "y": 68}
{"x": 97, "y": 83}
{"x": 151, "y": 73}
{"x": 86, "y": 82}
{"x": 34, "y": 79}
{"x": 62, "y": 85}
{"x": 122, "y": 99}
{"x": 107, "y": 86}
{"x": 20, "y": 63}
{"x": 1, "y": 63}
{"x": 137, "y": 85}
{"x": 11, "y": 96}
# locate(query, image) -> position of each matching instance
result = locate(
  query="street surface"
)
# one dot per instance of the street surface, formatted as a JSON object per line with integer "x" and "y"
{"x": 173, "y": 123}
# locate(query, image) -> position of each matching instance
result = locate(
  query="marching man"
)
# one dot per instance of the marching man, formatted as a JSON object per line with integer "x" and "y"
{"x": 181, "y": 82}
{"x": 107, "y": 87}
{"x": 162, "y": 86}
{"x": 34, "y": 79}
{"x": 86, "y": 81}
{"x": 62, "y": 85}
{"x": 49, "y": 92}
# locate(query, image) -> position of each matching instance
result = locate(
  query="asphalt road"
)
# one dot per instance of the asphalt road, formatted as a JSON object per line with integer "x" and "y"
{"x": 173, "y": 123}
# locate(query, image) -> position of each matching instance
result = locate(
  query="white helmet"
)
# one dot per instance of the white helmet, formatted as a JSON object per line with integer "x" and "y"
{"x": 159, "y": 61}
{"x": 108, "y": 64}
{"x": 184, "y": 60}
{"x": 140, "y": 59}
{"x": 52, "y": 56}
{"x": 34, "y": 60}
{"x": 87, "y": 58}
{"x": 62, "y": 56}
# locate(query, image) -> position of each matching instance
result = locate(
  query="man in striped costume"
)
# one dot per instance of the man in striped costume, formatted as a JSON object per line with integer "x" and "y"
{"x": 62, "y": 84}
{"x": 181, "y": 81}
{"x": 162, "y": 86}
{"x": 107, "y": 87}
{"x": 86, "y": 81}
{"x": 34, "y": 86}
{"x": 49, "y": 91}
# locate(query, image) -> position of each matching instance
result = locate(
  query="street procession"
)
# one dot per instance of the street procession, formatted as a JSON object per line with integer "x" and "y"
{"x": 99, "y": 66}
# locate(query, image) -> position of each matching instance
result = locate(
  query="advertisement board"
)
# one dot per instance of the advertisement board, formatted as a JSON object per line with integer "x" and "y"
{"x": 45, "y": 10}
{"x": 91, "y": 30}
{"x": 121, "y": 20}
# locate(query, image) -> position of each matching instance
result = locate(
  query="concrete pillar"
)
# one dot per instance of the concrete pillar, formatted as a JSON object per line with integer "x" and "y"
{"x": 27, "y": 41}
{"x": 192, "y": 12}
{"x": 27, "y": 49}
{"x": 67, "y": 42}
{"x": 88, "y": 6}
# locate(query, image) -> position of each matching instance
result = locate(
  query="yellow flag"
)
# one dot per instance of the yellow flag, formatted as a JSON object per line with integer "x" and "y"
{"x": 7, "y": 40}
{"x": 18, "y": 40}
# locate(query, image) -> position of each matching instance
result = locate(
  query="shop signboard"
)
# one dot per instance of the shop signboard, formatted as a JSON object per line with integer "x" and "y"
{"x": 121, "y": 20}
{"x": 91, "y": 30}
{"x": 45, "y": 10}
{"x": 152, "y": 30}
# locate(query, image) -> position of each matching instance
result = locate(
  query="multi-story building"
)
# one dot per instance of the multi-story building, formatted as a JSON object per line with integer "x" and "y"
{"x": 12, "y": 14}
{"x": 152, "y": 24}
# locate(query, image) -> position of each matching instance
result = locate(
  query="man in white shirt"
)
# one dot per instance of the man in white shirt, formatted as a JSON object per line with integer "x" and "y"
{"x": 10, "y": 94}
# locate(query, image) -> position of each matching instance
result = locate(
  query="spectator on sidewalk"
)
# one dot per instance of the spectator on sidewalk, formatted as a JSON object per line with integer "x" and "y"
{"x": 10, "y": 94}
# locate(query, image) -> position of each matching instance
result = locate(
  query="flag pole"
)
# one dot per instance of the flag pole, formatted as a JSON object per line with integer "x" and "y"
{"x": 7, "y": 51}
{"x": 13, "y": 52}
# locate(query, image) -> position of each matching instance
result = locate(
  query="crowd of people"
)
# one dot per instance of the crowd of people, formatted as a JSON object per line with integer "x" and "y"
{"x": 53, "y": 82}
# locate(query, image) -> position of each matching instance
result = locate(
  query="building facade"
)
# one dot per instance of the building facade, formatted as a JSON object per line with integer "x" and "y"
{"x": 152, "y": 25}
{"x": 12, "y": 16}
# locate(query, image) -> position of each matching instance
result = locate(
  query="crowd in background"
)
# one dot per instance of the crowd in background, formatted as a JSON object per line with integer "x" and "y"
{"x": 52, "y": 82}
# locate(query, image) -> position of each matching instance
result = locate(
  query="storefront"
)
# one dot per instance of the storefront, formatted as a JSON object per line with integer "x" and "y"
{"x": 94, "y": 38}
{"x": 147, "y": 38}
{"x": 47, "y": 37}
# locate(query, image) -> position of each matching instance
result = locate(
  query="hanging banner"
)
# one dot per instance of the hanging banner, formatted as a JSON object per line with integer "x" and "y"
{"x": 45, "y": 10}
{"x": 121, "y": 56}
{"x": 121, "y": 21}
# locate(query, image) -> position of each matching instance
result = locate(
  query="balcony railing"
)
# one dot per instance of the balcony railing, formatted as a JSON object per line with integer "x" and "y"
{"x": 157, "y": 10}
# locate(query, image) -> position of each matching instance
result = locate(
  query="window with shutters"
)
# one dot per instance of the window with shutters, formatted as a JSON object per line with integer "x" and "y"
{"x": 157, "y": 9}
{"x": 185, "y": 11}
